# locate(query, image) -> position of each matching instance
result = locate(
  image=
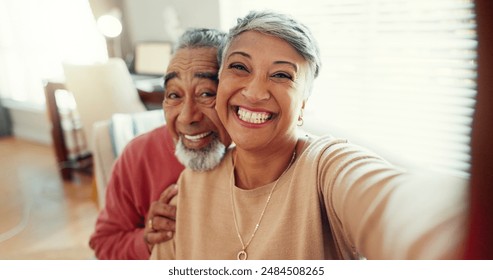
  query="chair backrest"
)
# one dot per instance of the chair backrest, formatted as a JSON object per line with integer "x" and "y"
{"x": 101, "y": 90}
{"x": 110, "y": 138}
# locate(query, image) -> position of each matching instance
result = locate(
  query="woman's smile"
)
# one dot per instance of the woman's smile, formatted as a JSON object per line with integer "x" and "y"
{"x": 252, "y": 116}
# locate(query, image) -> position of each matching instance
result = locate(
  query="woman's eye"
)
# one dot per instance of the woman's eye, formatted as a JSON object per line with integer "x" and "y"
{"x": 237, "y": 66}
{"x": 282, "y": 75}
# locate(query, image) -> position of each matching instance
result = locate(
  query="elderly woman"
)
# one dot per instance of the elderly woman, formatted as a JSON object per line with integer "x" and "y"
{"x": 279, "y": 194}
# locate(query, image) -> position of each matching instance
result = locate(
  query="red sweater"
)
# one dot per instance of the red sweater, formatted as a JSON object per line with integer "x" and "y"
{"x": 146, "y": 167}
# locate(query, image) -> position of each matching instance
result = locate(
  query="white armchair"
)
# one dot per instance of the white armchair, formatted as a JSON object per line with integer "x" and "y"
{"x": 101, "y": 90}
{"x": 110, "y": 138}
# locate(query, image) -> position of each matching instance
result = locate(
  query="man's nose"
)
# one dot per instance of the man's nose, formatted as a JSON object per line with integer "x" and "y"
{"x": 256, "y": 89}
{"x": 190, "y": 112}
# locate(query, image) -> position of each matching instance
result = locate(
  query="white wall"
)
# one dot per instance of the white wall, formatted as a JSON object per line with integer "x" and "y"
{"x": 147, "y": 22}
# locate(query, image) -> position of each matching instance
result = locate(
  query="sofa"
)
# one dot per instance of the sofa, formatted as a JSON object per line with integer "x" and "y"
{"x": 110, "y": 138}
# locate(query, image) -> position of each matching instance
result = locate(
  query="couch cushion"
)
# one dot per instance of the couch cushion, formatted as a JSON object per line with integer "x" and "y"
{"x": 124, "y": 127}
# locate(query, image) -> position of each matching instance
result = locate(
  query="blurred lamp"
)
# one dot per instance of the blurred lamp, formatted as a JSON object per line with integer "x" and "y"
{"x": 110, "y": 26}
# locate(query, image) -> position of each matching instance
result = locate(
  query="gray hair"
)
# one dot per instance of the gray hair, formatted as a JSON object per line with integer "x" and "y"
{"x": 199, "y": 38}
{"x": 194, "y": 38}
{"x": 281, "y": 26}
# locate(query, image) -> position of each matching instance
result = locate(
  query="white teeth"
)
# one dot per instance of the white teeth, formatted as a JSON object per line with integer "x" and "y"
{"x": 253, "y": 117}
{"x": 197, "y": 136}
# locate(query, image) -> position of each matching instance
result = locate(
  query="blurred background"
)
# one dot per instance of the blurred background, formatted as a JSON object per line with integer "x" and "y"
{"x": 398, "y": 76}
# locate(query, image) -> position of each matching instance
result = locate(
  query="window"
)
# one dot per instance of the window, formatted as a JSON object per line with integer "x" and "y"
{"x": 36, "y": 36}
{"x": 398, "y": 76}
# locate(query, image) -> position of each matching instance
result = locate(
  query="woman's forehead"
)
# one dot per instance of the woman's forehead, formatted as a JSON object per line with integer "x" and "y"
{"x": 256, "y": 42}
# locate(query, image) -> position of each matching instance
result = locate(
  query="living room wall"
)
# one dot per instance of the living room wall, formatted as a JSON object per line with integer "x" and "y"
{"x": 147, "y": 19}
{"x": 151, "y": 20}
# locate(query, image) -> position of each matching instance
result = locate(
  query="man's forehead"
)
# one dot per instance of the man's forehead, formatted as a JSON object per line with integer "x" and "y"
{"x": 198, "y": 62}
{"x": 192, "y": 59}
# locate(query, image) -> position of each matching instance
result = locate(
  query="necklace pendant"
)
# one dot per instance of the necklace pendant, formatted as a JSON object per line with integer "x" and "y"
{"x": 242, "y": 255}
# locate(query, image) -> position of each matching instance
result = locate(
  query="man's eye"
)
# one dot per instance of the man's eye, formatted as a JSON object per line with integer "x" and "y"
{"x": 208, "y": 94}
{"x": 172, "y": 96}
{"x": 206, "y": 98}
{"x": 172, "y": 99}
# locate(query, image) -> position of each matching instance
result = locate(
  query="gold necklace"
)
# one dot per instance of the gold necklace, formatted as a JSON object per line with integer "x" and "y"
{"x": 242, "y": 254}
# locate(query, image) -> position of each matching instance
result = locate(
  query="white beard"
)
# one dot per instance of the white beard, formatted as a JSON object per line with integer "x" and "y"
{"x": 203, "y": 159}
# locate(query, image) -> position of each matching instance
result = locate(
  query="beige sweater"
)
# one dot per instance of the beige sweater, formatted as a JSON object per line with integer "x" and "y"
{"x": 337, "y": 201}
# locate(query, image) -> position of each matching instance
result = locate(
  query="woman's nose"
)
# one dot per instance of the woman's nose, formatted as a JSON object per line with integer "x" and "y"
{"x": 256, "y": 90}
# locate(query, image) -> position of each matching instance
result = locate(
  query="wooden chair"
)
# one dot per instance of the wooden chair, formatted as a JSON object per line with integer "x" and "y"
{"x": 69, "y": 142}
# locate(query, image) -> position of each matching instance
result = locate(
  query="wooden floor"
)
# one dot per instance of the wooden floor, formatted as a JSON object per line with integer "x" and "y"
{"x": 42, "y": 217}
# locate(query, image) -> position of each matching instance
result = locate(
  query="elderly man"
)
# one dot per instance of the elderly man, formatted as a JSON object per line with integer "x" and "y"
{"x": 136, "y": 214}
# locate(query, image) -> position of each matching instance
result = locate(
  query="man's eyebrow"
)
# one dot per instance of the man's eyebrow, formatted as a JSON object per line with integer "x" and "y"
{"x": 170, "y": 76}
{"x": 206, "y": 75}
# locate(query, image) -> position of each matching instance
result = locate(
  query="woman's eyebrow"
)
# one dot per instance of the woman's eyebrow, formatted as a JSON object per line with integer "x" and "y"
{"x": 295, "y": 67}
{"x": 288, "y": 63}
{"x": 239, "y": 53}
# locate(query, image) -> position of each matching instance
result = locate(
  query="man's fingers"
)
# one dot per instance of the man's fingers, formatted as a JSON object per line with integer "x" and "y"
{"x": 164, "y": 210}
{"x": 162, "y": 224}
{"x": 153, "y": 238}
{"x": 161, "y": 218}
{"x": 168, "y": 194}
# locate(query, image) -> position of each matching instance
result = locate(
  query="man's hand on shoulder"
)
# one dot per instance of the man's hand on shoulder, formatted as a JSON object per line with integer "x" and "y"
{"x": 160, "y": 224}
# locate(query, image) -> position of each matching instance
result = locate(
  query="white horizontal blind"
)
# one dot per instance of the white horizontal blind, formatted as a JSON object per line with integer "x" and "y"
{"x": 399, "y": 74}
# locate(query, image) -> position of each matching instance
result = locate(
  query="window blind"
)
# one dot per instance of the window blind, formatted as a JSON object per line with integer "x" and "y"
{"x": 399, "y": 75}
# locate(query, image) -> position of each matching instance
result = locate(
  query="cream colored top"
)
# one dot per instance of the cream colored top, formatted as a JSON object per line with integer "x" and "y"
{"x": 337, "y": 201}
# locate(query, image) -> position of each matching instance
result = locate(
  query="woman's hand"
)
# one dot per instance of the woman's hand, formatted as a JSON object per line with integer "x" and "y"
{"x": 160, "y": 222}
